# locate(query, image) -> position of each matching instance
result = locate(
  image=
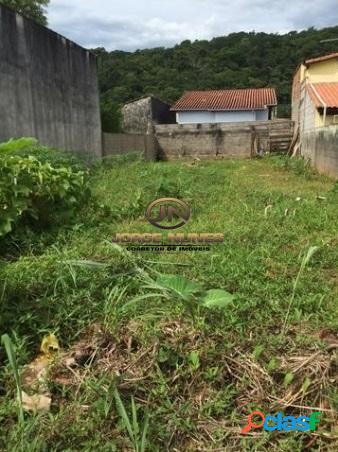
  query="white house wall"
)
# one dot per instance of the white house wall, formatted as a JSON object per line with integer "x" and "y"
{"x": 207, "y": 117}
{"x": 195, "y": 117}
{"x": 234, "y": 116}
{"x": 262, "y": 115}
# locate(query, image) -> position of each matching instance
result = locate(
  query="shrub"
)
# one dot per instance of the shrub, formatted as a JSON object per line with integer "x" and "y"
{"x": 34, "y": 190}
{"x": 297, "y": 165}
{"x": 24, "y": 147}
{"x": 18, "y": 145}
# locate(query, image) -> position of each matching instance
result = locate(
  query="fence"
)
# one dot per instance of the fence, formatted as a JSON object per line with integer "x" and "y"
{"x": 320, "y": 146}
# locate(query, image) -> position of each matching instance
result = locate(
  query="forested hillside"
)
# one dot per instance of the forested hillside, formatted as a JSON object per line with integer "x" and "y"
{"x": 239, "y": 60}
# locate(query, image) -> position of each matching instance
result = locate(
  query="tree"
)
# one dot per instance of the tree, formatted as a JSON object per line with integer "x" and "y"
{"x": 239, "y": 60}
{"x": 33, "y": 9}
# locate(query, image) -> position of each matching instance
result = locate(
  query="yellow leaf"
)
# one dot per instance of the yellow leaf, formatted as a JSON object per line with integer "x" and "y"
{"x": 49, "y": 345}
{"x": 35, "y": 373}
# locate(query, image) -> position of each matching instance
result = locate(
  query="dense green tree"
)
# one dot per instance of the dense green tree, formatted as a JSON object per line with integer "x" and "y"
{"x": 33, "y": 9}
{"x": 239, "y": 60}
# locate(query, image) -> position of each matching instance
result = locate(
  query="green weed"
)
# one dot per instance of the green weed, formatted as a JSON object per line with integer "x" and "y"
{"x": 137, "y": 433}
{"x": 10, "y": 351}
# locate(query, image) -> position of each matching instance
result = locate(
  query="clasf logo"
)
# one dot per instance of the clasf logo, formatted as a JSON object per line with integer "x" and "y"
{"x": 282, "y": 423}
{"x": 165, "y": 211}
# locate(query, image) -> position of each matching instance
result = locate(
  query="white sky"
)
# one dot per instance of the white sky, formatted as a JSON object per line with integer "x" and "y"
{"x": 137, "y": 24}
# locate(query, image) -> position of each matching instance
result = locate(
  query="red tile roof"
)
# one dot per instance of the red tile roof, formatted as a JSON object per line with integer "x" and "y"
{"x": 326, "y": 93}
{"x": 322, "y": 58}
{"x": 232, "y": 99}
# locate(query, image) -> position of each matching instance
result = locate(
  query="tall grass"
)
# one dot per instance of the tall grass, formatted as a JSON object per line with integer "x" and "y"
{"x": 305, "y": 261}
{"x": 10, "y": 351}
{"x": 137, "y": 432}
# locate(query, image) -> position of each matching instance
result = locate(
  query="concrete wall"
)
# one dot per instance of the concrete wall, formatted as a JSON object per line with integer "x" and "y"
{"x": 308, "y": 113}
{"x": 48, "y": 87}
{"x": 297, "y": 92}
{"x": 137, "y": 116}
{"x": 232, "y": 140}
{"x": 209, "y": 117}
{"x": 124, "y": 143}
{"x": 202, "y": 141}
{"x": 173, "y": 141}
{"x": 320, "y": 146}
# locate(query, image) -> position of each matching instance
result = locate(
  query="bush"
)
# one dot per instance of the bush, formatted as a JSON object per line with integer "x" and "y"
{"x": 24, "y": 147}
{"x": 35, "y": 190}
{"x": 297, "y": 165}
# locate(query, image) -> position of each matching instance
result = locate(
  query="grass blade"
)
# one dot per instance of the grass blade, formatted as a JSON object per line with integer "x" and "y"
{"x": 8, "y": 344}
{"x": 124, "y": 416}
{"x": 143, "y": 444}
{"x": 134, "y": 416}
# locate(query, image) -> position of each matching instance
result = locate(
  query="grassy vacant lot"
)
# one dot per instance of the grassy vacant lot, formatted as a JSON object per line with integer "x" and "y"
{"x": 191, "y": 373}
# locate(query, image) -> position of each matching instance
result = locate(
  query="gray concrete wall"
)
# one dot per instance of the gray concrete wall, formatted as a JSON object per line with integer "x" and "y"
{"x": 174, "y": 141}
{"x": 48, "y": 87}
{"x": 136, "y": 116}
{"x": 202, "y": 141}
{"x": 124, "y": 143}
{"x": 143, "y": 113}
{"x": 320, "y": 146}
{"x": 232, "y": 140}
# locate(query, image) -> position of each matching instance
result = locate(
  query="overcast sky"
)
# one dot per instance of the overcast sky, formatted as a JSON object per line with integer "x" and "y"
{"x": 138, "y": 24}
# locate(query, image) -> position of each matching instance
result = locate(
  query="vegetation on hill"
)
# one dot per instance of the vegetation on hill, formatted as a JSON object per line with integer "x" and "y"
{"x": 239, "y": 60}
{"x": 152, "y": 356}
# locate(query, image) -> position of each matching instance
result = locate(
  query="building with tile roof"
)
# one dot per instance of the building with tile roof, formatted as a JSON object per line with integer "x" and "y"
{"x": 315, "y": 93}
{"x": 220, "y": 106}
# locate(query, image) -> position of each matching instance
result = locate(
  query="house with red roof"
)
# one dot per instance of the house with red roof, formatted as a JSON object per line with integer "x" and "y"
{"x": 315, "y": 93}
{"x": 222, "y": 106}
